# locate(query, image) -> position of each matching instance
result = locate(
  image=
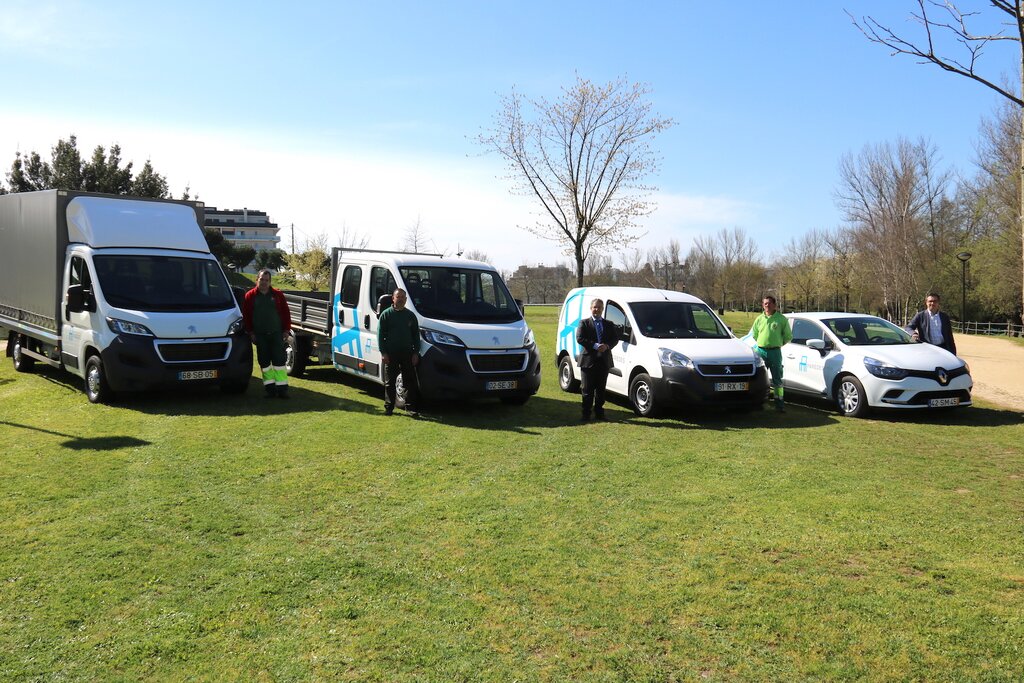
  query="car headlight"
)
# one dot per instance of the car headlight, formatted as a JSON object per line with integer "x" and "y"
{"x": 758, "y": 361}
{"x": 883, "y": 370}
{"x": 674, "y": 359}
{"x": 435, "y": 337}
{"x": 235, "y": 327}
{"x": 118, "y": 326}
{"x": 528, "y": 339}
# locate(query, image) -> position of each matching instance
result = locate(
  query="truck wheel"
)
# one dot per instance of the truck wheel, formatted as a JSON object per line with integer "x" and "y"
{"x": 96, "y": 387}
{"x": 850, "y": 397}
{"x": 641, "y": 395}
{"x": 566, "y": 380}
{"x": 296, "y": 356}
{"x": 22, "y": 363}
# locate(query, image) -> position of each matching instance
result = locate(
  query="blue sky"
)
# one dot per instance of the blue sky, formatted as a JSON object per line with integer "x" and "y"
{"x": 363, "y": 116}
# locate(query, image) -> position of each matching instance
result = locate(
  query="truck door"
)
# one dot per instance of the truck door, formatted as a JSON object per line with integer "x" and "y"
{"x": 347, "y": 346}
{"x": 382, "y": 284}
{"x": 618, "y": 377}
{"x": 78, "y": 329}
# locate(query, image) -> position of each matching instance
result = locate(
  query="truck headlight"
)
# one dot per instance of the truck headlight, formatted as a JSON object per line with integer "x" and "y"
{"x": 528, "y": 339}
{"x": 674, "y": 359}
{"x": 884, "y": 370}
{"x": 435, "y": 337}
{"x": 118, "y": 326}
{"x": 235, "y": 327}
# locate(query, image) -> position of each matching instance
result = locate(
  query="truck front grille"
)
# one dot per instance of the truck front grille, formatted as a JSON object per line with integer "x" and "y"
{"x": 498, "y": 362}
{"x": 204, "y": 351}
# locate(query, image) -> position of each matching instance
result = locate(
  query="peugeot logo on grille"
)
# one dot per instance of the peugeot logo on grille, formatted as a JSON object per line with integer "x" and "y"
{"x": 728, "y": 370}
{"x": 943, "y": 377}
{"x": 192, "y": 329}
{"x": 495, "y": 340}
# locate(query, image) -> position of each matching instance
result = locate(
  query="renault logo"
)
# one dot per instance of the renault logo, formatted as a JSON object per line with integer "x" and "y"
{"x": 943, "y": 377}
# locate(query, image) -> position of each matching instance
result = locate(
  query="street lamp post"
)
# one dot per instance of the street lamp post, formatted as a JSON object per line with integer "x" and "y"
{"x": 964, "y": 257}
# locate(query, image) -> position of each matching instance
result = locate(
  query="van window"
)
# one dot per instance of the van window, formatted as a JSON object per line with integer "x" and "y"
{"x": 351, "y": 279}
{"x": 162, "y": 283}
{"x": 455, "y": 294}
{"x": 381, "y": 282}
{"x": 614, "y": 314}
{"x": 677, "y": 320}
{"x": 80, "y": 273}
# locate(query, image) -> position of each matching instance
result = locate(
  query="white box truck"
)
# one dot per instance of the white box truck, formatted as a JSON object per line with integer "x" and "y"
{"x": 120, "y": 291}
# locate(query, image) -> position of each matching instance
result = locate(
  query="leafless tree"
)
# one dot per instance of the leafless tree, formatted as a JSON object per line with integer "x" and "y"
{"x": 352, "y": 239}
{"x": 415, "y": 239}
{"x": 705, "y": 267}
{"x": 585, "y": 158}
{"x": 947, "y": 25}
{"x": 476, "y": 255}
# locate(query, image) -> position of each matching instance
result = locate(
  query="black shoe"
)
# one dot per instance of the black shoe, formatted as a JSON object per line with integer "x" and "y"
{"x": 271, "y": 392}
{"x": 388, "y": 410}
{"x": 780, "y": 407}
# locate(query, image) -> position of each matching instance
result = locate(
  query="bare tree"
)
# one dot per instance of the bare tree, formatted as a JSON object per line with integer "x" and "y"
{"x": 415, "y": 239}
{"x": 353, "y": 239}
{"x": 476, "y": 255}
{"x": 1005, "y": 23}
{"x": 584, "y": 157}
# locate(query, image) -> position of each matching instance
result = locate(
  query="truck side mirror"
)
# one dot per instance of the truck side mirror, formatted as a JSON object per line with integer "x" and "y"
{"x": 76, "y": 299}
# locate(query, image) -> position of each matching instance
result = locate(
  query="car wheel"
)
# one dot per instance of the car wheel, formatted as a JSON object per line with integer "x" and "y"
{"x": 641, "y": 395}
{"x": 96, "y": 387}
{"x": 22, "y": 363}
{"x": 296, "y": 354}
{"x": 850, "y": 397}
{"x": 566, "y": 380}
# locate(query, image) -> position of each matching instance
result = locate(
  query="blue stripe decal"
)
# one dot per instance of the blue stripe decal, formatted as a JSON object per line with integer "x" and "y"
{"x": 567, "y": 334}
{"x": 347, "y": 341}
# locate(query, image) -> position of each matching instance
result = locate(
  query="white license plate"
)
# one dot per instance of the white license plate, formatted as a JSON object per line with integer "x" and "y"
{"x": 731, "y": 386}
{"x": 943, "y": 402}
{"x": 499, "y": 386}
{"x": 197, "y": 374}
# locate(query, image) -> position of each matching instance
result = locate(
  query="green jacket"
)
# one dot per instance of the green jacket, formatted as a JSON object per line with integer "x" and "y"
{"x": 398, "y": 332}
{"x": 771, "y": 331}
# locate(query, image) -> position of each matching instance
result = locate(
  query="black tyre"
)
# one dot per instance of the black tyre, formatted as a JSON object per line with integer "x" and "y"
{"x": 566, "y": 380}
{"x": 399, "y": 391}
{"x": 296, "y": 356}
{"x": 642, "y": 396}
{"x": 96, "y": 387}
{"x": 22, "y": 363}
{"x": 850, "y": 398}
{"x": 515, "y": 400}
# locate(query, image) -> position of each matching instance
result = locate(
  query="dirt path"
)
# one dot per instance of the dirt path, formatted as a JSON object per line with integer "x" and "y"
{"x": 997, "y": 367}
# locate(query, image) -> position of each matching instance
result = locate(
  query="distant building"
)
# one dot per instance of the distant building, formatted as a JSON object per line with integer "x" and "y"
{"x": 243, "y": 227}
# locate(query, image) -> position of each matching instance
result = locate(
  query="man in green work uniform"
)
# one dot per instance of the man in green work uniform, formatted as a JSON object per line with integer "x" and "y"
{"x": 770, "y": 331}
{"x": 266, "y": 318}
{"x": 398, "y": 338}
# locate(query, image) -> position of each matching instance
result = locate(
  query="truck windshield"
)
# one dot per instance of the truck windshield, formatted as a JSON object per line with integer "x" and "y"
{"x": 677, "y": 320}
{"x": 162, "y": 283}
{"x": 464, "y": 295}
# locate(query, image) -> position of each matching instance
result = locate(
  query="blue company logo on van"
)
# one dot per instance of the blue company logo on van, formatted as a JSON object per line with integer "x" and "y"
{"x": 572, "y": 313}
{"x": 347, "y": 339}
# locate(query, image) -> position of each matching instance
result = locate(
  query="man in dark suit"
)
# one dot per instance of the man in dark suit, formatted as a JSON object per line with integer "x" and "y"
{"x": 597, "y": 337}
{"x": 932, "y": 326}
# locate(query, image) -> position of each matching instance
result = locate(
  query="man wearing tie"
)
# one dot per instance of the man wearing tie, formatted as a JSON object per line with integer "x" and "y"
{"x": 597, "y": 337}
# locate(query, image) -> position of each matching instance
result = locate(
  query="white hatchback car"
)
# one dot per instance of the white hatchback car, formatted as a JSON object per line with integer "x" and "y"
{"x": 863, "y": 362}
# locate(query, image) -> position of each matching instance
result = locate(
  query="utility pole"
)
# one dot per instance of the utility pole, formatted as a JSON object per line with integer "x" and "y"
{"x": 293, "y": 238}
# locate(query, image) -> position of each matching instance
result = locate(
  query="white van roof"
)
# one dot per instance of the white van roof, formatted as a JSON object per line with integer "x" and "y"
{"x": 399, "y": 259}
{"x": 632, "y": 294}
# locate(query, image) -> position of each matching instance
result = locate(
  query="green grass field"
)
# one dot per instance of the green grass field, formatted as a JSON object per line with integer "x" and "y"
{"x": 212, "y": 538}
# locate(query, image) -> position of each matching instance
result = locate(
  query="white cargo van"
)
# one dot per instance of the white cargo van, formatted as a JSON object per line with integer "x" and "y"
{"x": 674, "y": 350}
{"x": 475, "y": 342}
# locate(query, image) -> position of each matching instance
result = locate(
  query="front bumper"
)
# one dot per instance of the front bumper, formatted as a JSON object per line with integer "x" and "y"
{"x": 915, "y": 393}
{"x": 685, "y": 386}
{"x": 133, "y": 364}
{"x": 445, "y": 373}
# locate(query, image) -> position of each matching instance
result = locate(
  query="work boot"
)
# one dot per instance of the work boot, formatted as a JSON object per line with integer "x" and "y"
{"x": 780, "y": 407}
{"x": 282, "y": 391}
{"x": 269, "y": 388}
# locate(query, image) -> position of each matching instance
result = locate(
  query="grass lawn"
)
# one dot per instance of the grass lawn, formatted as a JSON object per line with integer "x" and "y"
{"x": 206, "y": 537}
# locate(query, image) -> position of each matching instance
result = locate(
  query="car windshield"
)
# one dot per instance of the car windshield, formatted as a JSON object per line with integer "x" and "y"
{"x": 163, "y": 283}
{"x": 464, "y": 295}
{"x": 677, "y": 320}
{"x": 867, "y": 332}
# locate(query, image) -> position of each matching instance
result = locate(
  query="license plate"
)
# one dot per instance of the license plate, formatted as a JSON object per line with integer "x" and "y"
{"x": 499, "y": 386}
{"x": 197, "y": 374}
{"x": 943, "y": 402}
{"x": 731, "y": 386}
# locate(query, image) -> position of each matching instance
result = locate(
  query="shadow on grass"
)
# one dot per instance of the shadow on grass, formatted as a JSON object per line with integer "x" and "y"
{"x": 723, "y": 418}
{"x": 971, "y": 416}
{"x": 92, "y": 443}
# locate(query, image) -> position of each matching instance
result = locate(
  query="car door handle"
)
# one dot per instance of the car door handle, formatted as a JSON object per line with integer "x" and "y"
{"x": 366, "y": 321}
